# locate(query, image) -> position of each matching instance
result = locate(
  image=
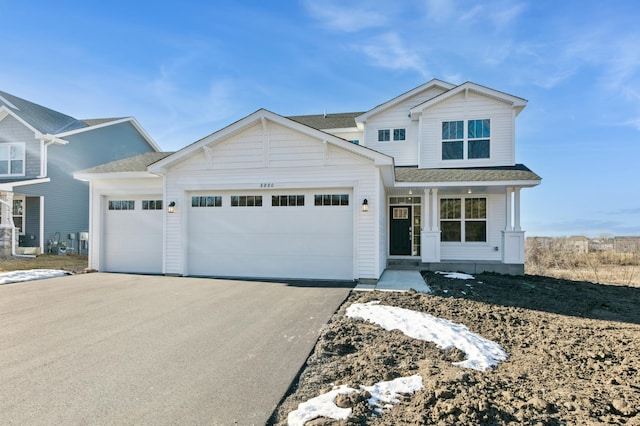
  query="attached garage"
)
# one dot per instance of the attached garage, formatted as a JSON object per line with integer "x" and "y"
{"x": 132, "y": 234}
{"x": 284, "y": 234}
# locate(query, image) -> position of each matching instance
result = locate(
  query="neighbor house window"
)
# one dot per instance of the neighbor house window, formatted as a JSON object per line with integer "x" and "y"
{"x": 12, "y": 158}
{"x": 246, "y": 201}
{"x": 206, "y": 201}
{"x": 122, "y": 205}
{"x": 331, "y": 199}
{"x": 459, "y": 145}
{"x": 463, "y": 219}
{"x": 151, "y": 204}
{"x": 287, "y": 200}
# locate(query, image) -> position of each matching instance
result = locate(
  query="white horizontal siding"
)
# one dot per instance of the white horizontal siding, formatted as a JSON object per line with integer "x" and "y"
{"x": 496, "y": 219}
{"x": 475, "y": 107}
{"x": 405, "y": 153}
{"x": 283, "y": 159}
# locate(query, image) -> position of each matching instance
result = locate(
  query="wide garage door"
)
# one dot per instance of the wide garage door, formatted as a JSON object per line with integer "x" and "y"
{"x": 132, "y": 234}
{"x": 271, "y": 234}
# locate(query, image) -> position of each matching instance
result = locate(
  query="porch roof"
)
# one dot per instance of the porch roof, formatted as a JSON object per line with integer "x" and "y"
{"x": 519, "y": 172}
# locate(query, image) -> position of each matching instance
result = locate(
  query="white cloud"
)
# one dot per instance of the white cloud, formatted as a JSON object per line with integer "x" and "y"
{"x": 388, "y": 51}
{"x": 346, "y": 18}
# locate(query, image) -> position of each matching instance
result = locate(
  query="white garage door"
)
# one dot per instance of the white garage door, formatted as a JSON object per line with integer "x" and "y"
{"x": 271, "y": 234}
{"x": 132, "y": 234}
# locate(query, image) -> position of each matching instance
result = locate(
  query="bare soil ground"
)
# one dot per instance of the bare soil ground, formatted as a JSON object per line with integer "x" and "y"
{"x": 75, "y": 263}
{"x": 574, "y": 355}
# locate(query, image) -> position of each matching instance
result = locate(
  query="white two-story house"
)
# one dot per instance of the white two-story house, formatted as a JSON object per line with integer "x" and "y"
{"x": 427, "y": 179}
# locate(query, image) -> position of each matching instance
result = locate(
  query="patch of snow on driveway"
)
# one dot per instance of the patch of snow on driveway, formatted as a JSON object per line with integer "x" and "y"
{"x": 29, "y": 275}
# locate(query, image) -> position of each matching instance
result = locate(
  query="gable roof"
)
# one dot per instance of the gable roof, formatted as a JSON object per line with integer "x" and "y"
{"x": 395, "y": 101}
{"x": 517, "y": 102}
{"x": 260, "y": 116}
{"x": 136, "y": 164}
{"x": 343, "y": 120}
{"x": 41, "y": 119}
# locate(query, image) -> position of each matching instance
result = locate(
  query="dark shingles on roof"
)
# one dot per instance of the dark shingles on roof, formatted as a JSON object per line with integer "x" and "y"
{"x": 328, "y": 121}
{"x": 43, "y": 119}
{"x": 138, "y": 163}
{"x": 518, "y": 172}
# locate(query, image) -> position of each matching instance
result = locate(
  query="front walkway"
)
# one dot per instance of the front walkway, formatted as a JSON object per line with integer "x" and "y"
{"x": 397, "y": 280}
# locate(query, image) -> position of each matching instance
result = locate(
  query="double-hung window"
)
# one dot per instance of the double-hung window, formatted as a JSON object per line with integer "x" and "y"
{"x": 461, "y": 142}
{"x": 463, "y": 219}
{"x": 12, "y": 159}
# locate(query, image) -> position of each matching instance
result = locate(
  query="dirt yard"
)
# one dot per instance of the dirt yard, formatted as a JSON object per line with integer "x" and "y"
{"x": 75, "y": 263}
{"x": 574, "y": 355}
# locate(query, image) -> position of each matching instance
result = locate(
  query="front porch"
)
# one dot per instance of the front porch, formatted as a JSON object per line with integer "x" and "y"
{"x": 466, "y": 266}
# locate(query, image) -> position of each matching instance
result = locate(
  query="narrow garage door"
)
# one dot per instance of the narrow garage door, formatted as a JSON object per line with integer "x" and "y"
{"x": 272, "y": 234}
{"x": 132, "y": 234}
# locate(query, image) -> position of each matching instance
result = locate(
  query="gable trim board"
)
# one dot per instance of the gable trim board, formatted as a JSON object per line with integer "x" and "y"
{"x": 232, "y": 229}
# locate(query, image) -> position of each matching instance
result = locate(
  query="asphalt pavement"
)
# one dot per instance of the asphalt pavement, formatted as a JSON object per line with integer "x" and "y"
{"x": 130, "y": 349}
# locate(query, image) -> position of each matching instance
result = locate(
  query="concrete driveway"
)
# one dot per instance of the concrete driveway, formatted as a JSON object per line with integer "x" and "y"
{"x": 128, "y": 349}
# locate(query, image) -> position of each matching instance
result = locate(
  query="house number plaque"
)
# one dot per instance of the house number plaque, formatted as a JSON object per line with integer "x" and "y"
{"x": 267, "y": 185}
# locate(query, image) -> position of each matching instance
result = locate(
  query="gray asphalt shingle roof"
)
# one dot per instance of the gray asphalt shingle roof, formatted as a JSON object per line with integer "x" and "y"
{"x": 328, "y": 121}
{"x": 138, "y": 163}
{"x": 475, "y": 174}
{"x": 45, "y": 120}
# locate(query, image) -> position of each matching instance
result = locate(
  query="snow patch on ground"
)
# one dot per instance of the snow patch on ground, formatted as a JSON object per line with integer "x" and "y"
{"x": 481, "y": 353}
{"x": 456, "y": 275}
{"x": 382, "y": 395}
{"x": 29, "y": 275}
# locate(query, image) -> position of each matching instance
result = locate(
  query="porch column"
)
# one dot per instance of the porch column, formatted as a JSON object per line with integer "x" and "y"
{"x": 508, "y": 226}
{"x": 516, "y": 209}
{"x": 430, "y": 236}
{"x": 6, "y": 222}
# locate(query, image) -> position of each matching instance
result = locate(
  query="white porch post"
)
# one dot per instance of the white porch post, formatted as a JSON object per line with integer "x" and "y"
{"x": 516, "y": 209}
{"x": 6, "y": 223}
{"x": 513, "y": 236}
{"x": 430, "y": 235}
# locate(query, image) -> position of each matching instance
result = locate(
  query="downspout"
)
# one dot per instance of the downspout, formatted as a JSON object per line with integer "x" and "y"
{"x": 13, "y": 232}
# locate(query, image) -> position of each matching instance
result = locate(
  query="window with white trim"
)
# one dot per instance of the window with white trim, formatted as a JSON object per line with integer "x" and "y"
{"x": 12, "y": 159}
{"x": 384, "y": 135}
{"x": 463, "y": 219}
{"x": 472, "y": 141}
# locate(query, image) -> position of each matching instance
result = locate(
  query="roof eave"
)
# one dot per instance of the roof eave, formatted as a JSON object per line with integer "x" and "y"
{"x": 518, "y": 183}
{"x": 87, "y": 177}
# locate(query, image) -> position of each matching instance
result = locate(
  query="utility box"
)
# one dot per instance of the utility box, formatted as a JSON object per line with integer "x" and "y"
{"x": 84, "y": 236}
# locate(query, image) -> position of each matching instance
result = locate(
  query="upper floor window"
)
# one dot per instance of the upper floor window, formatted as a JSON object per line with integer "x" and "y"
{"x": 384, "y": 135}
{"x": 12, "y": 159}
{"x": 459, "y": 145}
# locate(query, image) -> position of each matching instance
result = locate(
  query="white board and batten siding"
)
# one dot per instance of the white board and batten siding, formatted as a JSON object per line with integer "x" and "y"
{"x": 272, "y": 160}
{"x": 496, "y": 219}
{"x": 471, "y": 107}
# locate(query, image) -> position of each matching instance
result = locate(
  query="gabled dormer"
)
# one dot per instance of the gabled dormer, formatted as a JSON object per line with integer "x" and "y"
{"x": 467, "y": 126}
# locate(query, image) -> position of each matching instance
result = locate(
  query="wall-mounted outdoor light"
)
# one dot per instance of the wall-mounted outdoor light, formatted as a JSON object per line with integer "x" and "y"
{"x": 172, "y": 207}
{"x": 365, "y": 205}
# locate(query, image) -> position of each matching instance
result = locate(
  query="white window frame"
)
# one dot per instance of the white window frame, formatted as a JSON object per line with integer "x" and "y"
{"x": 7, "y": 147}
{"x": 465, "y": 140}
{"x": 463, "y": 219}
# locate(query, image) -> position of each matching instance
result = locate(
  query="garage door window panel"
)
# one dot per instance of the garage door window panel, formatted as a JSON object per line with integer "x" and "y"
{"x": 287, "y": 200}
{"x": 206, "y": 201}
{"x": 122, "y": 205}
{"x": 246, "y": 201}
{"x": 331, "y": 199}
{"x": 151, "y": 204}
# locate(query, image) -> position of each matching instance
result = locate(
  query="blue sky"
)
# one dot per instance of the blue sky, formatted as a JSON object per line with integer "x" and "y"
{"x": 186, "y": 69}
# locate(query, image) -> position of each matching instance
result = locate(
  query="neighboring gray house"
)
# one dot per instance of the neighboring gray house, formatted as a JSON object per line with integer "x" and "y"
{"x": 40, "y": 149}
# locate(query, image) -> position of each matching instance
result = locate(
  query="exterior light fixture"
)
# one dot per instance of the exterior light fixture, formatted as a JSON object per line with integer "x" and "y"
{"x": 469, "y": 191}
{"x": 365, "y": 205}
{"x": 172, "y": 207}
